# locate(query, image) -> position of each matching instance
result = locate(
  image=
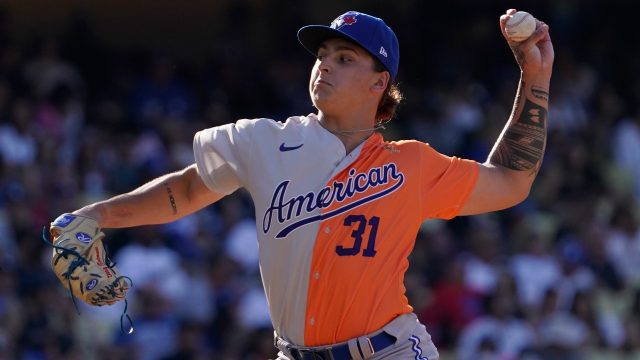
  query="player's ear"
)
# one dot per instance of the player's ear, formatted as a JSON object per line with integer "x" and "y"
{"x": 381, "y": 81}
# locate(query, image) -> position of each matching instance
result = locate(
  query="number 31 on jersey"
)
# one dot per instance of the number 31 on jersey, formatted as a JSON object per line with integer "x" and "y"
{"x": 360, "y": 224}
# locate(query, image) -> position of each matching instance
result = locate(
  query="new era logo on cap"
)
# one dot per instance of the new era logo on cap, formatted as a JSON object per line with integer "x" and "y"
{"x": 370, "y": 32}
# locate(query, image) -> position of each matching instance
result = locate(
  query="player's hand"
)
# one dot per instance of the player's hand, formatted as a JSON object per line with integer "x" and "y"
{"x": 534, "y": 55}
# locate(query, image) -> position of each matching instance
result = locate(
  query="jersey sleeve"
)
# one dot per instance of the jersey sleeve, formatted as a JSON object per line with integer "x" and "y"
{"x": 223, "y": 155}
{"x": 446, "y": 182}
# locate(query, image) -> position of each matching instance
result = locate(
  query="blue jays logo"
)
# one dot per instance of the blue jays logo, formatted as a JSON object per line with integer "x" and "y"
{"x": 91, "y": 284}
{"x": 83, "y": 237}
{"x": 345, "y": 19}
{"x": 287, "y": 208}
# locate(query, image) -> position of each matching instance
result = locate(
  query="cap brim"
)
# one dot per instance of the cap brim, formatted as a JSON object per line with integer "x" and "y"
{"x": 312, "y": 36}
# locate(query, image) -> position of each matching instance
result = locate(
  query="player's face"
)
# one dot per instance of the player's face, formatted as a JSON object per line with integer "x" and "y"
{"x": 343, "y": 77}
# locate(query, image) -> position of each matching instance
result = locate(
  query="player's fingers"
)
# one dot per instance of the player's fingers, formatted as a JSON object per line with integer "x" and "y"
{"x": 503, "y": 21}
{"x": 545, "y": 46}
{"x": 504, "y": 17}
{"x": 542, "y": 31}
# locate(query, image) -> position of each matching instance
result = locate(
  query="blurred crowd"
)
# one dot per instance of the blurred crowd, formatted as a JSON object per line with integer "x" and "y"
{"x": 556, "y": 277}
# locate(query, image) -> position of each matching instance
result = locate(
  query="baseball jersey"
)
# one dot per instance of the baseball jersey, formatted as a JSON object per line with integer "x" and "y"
{"x": 334, "y": 229}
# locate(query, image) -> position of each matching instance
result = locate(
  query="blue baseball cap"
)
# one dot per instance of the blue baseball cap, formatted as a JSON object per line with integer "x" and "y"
{"x": 370, "y": 32}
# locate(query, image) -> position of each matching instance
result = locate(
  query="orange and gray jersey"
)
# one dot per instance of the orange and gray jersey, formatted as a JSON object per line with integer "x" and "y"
{"x": 334, "y": 229}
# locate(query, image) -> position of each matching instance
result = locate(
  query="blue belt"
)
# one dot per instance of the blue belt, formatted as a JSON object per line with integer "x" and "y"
{"x": 341, "y": 352}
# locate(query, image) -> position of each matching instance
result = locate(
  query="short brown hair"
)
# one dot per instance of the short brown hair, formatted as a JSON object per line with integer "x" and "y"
{"x": 390, "y": 100}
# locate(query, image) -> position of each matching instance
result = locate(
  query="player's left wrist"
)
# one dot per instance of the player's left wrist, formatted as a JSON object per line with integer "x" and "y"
{"x": 537, "y": 79}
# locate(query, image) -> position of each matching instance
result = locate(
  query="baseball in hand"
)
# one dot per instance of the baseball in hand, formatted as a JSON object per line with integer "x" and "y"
{"x": 520, "y": 26}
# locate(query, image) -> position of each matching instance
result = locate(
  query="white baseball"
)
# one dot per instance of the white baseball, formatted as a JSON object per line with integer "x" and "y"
{"x": 520, "y": 26}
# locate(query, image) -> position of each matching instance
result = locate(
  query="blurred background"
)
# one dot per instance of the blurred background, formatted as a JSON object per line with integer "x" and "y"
{"x": 98, "y": 97}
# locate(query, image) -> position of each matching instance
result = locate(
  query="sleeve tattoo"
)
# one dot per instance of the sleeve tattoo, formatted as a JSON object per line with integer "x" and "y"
{"x": 521, "y": 146}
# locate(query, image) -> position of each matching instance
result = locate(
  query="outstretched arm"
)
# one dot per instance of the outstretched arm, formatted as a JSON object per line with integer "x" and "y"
{"x": 159, "y": 201}
{"x": 506, "y": 177}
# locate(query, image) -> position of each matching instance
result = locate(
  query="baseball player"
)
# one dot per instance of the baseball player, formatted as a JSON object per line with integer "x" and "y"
{"x": 337, "y": 206}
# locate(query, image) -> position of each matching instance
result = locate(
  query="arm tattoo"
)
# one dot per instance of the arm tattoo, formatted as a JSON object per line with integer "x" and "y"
{"x": 172, "y": 200}
{"x": 521, "y": 146}
{"x": 540, "y": 93}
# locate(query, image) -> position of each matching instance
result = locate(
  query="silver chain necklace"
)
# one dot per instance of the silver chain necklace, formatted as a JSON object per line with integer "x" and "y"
{"x": 351, "y": 132}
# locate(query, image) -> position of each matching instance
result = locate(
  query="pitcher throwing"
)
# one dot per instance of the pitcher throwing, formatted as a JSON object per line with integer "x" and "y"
{"x": 338, "y": 207}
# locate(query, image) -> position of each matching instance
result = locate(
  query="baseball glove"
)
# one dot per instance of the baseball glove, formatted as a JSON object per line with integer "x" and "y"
{"x": 81, "y": 263}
